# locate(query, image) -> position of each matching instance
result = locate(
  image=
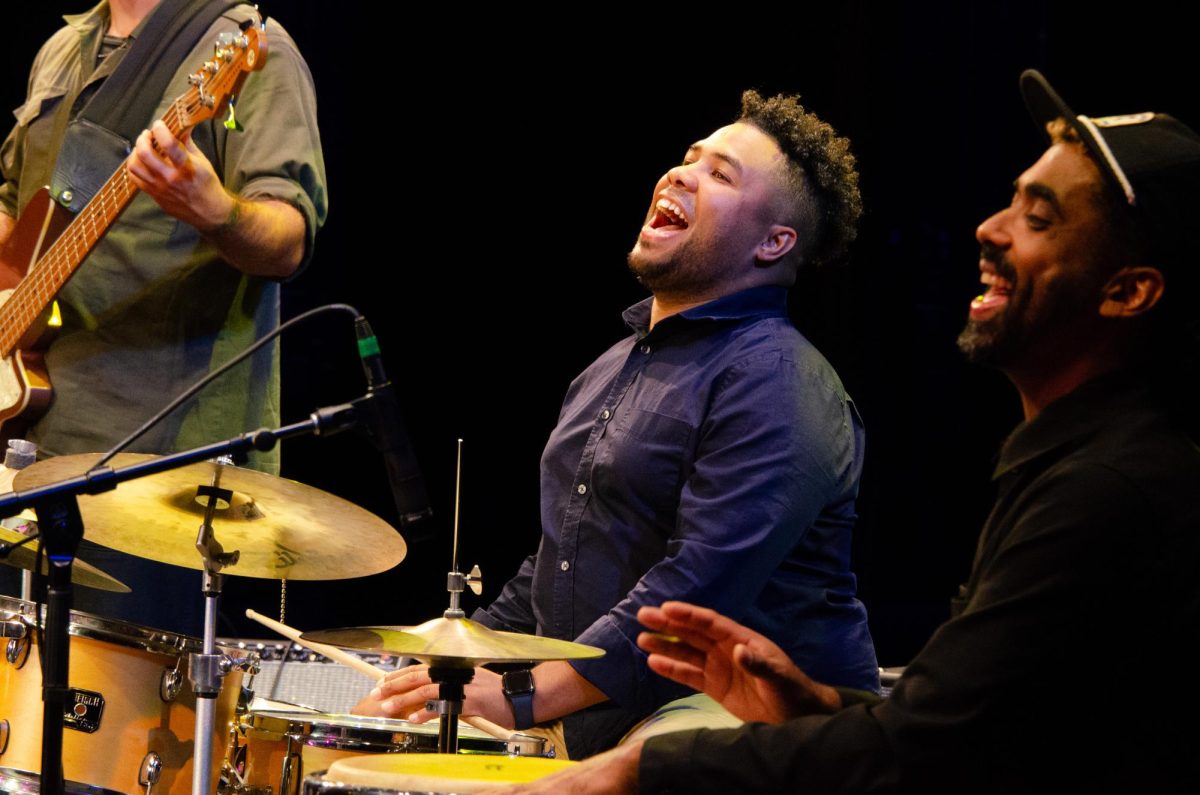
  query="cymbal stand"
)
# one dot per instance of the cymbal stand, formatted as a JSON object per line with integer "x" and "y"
{"x": 205, "y": 670}
{"x": 450, "y": 679}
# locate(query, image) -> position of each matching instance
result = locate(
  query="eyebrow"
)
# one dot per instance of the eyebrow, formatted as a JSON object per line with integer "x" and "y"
{"x": 719, "y": 155}
{"x": 1040, "y": 190}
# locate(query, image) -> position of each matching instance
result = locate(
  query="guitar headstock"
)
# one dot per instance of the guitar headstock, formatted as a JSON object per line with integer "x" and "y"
{"x": 216, "y": 83}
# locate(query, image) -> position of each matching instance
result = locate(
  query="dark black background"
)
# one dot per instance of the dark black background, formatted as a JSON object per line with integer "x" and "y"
{"x": 488, "y": 170}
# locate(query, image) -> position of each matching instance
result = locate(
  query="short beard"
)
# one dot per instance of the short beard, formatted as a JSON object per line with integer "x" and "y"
{"x": 679, "y": 276}
{"x": 987, "y": 342}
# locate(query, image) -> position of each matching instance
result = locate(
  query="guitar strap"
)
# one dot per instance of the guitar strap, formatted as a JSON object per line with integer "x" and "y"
{"x": 99, "y": 131}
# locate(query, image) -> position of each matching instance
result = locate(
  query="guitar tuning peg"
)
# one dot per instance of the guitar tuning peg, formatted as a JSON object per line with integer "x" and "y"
{"x": 475, "y": 580}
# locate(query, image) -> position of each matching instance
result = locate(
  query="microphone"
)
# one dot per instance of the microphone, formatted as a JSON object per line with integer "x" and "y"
{"x": 379, "y": 416}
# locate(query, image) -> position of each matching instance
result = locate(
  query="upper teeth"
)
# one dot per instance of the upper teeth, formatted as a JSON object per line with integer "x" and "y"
{"x": 668, "y": 206}
{"x": 992, "y": 278}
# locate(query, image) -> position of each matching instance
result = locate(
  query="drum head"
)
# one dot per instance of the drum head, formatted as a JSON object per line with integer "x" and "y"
{"x": 439, "y": 772}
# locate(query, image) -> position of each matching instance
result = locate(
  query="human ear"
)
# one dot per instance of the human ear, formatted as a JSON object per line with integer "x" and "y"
{"x": 1132, "y": 291}
{"x": 778, "y": 241}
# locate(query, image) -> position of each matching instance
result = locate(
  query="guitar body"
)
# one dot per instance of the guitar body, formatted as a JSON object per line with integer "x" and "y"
{"x": 24, "y": 385}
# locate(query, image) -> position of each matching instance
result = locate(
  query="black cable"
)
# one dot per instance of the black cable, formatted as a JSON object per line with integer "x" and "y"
{"x": 206, "y": 380}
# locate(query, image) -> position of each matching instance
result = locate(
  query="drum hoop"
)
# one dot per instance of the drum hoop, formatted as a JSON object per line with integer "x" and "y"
{"x": 120, "y": 633}
{"x": 358, "y": 732}
{"x": 14, "y": 780}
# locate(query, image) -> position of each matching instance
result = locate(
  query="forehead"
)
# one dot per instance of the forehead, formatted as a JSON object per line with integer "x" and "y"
{"x": 1066, "y": 173}
{"x": 752, "y": 148}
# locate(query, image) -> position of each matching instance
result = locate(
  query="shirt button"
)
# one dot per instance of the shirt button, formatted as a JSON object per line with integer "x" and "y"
{"x": 564, "y": 565}
{"x": 605, "y": 414}
{"x": 645, "y": 348}
{"x": 581, "y": 488}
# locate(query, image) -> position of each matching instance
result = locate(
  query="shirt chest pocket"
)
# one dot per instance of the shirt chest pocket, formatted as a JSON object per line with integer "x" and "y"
{"x": 642, "y": 462}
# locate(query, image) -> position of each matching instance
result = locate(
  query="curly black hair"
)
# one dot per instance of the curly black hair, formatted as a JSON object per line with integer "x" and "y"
{"x": 822, "y": 179}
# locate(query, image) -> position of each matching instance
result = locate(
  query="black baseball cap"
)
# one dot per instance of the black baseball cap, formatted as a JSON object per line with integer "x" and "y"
{"x": 1152, "y": 159}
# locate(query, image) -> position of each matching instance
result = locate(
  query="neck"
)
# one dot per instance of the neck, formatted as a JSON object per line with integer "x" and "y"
{"x": 125, "y": 15}
{"x": 1039, "y": 389}
{"x": 663, "y": 307}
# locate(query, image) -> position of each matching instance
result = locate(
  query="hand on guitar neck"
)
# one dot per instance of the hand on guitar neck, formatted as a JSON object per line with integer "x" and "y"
{"x": 263, "y": 237}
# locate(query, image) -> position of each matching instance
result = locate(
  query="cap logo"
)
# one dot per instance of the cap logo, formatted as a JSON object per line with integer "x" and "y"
{"x": 1125, "y": 120}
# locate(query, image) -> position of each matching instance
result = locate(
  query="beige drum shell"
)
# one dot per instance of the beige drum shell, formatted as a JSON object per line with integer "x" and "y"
{"x": 322, "y": 739}
{"x": 436, "y": 774}
{"x": 135, "y": 719}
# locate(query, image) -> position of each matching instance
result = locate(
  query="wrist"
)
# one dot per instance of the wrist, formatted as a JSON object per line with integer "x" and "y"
{"x": 226, "y": 215}
{"x": 518, "y": 689}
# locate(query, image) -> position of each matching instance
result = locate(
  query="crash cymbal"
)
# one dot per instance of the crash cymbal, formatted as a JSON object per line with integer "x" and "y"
{"x": 82, "y": 573}
{"x": 456, "y": 641}
{"x": 282, "y": 529}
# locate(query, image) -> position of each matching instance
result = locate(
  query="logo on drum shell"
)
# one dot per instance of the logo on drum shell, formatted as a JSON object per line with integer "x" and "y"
{"x": 83, "y": 710}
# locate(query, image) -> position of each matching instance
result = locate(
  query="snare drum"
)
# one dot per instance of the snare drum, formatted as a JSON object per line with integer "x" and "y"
{"x": 132, "y": 711}
{"x": 428, "y": 774}
{"x": 272, "y": 752}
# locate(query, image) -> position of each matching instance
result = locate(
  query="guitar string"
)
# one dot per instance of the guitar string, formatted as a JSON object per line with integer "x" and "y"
{"x": 56, "y": 265}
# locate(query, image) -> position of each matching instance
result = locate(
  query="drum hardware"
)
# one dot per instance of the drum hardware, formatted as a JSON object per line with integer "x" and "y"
{"x": 150, "y": 772}
{"x": 453, "y": 645}
{"x": 124, "y": 664}
{"x": 272, "y": 750}
{"x": 16, "y": 651}
{"x": 171, "y": 682}
{"x": 365, "y": 545}
{"x": 279, "y": 527}
{"x": 4, "y": 730}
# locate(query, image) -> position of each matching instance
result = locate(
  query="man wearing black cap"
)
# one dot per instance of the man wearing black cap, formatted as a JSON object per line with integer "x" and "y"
{"x": 1082, "y": 599}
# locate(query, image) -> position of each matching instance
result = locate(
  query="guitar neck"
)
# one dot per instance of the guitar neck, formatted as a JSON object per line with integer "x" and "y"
{"x": 52, "y": 269}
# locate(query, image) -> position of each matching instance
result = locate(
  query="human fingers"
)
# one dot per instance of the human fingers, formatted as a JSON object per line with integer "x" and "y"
{"x": 682, "y": 672}
{"x": 168, "y": 145}
{"x": 402, "y": 680}
{"x": 671, "y": 646}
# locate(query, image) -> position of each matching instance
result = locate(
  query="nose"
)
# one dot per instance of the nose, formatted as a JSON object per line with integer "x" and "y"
{"x": 683, "y": 176}
{"x": 994, "y": 230}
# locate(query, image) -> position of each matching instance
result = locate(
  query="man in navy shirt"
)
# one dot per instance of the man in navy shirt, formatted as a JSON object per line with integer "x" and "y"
{"x": 712, "y": 456}
{"x": 1083, "y": 590}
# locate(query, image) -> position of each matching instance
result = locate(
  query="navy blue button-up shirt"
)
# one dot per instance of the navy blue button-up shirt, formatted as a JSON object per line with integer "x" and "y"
{"x": 715, "y": 459}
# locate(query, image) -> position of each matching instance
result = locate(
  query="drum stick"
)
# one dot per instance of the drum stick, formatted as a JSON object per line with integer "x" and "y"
{"x": 332, "y": 652}
{"x": 362, "y": 666}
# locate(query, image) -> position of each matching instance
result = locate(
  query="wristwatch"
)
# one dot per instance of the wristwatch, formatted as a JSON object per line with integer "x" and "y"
{"x": 518, "y": 690}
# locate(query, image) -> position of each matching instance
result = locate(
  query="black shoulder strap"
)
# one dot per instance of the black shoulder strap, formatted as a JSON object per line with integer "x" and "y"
{"x": 100, "y": 136}
{"x": 131, "y": 93}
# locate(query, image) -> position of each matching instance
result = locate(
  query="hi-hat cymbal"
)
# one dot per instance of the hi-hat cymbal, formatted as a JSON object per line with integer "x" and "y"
{"x": 282, "y": 529}
{"x": 82, "y": 573}
{"x": 454, "y": 641}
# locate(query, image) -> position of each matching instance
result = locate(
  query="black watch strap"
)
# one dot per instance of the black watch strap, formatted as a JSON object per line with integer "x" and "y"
{"x": 518, "y": 690}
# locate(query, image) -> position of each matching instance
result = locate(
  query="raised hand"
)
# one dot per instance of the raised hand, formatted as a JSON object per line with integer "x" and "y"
{"x": 746, "y": 673}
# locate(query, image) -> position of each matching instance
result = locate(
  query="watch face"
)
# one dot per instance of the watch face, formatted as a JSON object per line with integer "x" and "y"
{"x": 518, "y": 682}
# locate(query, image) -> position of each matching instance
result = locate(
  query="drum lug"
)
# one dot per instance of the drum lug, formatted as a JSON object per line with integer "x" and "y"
{"x": 17, "y": 651}
{"x": 4, "y": 729}
{"x": 151, "y": 771}
{"x": 250, "y": 664}
{"x": 170, "y": 684}
{"x": 13, "y": 629}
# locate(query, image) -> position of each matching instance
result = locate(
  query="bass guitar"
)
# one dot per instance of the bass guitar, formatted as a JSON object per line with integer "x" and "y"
{"x": 47, "y": 244}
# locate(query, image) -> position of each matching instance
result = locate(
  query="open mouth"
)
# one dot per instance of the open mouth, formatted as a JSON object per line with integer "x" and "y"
{"x": 992, "y": 300}
{"x": 668, "y": 216}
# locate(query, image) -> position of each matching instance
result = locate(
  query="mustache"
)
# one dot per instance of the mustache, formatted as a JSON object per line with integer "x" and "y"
{"x": 989, "y": 252}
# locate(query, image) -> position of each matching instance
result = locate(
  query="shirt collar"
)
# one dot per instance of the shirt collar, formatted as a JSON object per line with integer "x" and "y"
{"x": 89, "y": 21}
{"x": 1073, "y": 417}
{"x": 766, "y": 300}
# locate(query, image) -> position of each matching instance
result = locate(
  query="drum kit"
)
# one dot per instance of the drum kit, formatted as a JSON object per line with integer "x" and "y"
{"x": 132, "y": 722}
